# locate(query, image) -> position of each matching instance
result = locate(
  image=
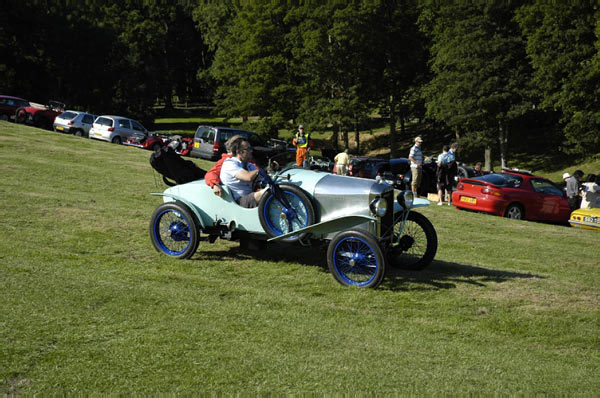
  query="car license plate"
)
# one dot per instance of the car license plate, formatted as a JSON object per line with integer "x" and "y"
{"x": 59, "y": 127}
{"x": 196, "y": 145}
{"x": 468, "y": 199}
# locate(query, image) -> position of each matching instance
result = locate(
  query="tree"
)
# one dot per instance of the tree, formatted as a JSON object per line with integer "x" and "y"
{"x": 481, "y": 76}
{"x": 563, "y": 43}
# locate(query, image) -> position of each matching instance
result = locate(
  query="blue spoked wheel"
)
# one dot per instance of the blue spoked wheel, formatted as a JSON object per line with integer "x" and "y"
{"x": 277, "y": 220}
{"x": 355, "y": 259}
{"x": 173, "y": 230}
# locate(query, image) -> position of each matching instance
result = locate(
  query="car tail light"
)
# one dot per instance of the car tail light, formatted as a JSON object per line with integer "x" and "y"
{"x": 489, "y": 191}
{"x": 216, "y": 147}
{"x": 111, "y": 129}
{"x": 460, "y": 186}
{"x": 70, "y": 123}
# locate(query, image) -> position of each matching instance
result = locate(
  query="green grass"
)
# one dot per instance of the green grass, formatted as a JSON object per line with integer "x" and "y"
{"x": 88, "y": 306}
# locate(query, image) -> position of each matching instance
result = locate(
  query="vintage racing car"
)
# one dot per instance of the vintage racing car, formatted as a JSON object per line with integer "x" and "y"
{"x": 586, "y": 219}
{"x": 365, "y": 227}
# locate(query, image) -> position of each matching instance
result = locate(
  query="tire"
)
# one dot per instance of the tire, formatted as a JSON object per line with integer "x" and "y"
{"x": 78, "y": 133}
{"x": 355, "y": 258}
{"x": 463, "y": 172}
{"x": 515, "y": 211}
{"x": 174, "y": 230}
{"x": 116, "y": 140}
{"x": 273, "y": 218}
{"x": 20, "y": 115}
{"x": 4, "y": 117}
{"x": 417, "y": 246}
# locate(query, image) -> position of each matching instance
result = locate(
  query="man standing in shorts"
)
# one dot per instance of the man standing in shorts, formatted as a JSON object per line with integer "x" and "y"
{"x": 416, "y": 165}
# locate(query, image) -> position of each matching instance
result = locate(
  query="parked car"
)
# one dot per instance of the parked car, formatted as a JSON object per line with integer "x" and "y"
{"x": 209, "y": 143}
{"x": 397, "y": 172}
{"x": 151, "y": 141}
{"x": 286, "y": 160}
{"x": 9, "y": 106}
{"x": 116, "y": 129}
{"x": 39, "y": 115}
{"x": 514, "y": 194}
{"x": 586, "y": 219}
{"x": 365, "y": 225}
{"x": 74, "y": 122}
{"x": 181, "y": 145}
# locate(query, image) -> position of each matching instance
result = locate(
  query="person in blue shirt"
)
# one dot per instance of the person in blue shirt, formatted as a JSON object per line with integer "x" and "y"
{"x": 416, "y": 164}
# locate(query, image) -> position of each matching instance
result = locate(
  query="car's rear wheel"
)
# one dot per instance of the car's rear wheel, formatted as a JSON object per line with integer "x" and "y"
{"x": 415, "y": 246}
{"x": 116, "y": 140}
{"x": 355, "y": 259}
{"x": 78, "y": 133}
{"x": 277, "y": 220}
{"x": 515, "y": 211}
{"x": 174, "y": 231}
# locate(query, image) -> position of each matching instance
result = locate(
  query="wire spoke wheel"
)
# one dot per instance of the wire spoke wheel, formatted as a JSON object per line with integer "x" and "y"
{"x": 355, "y": 259}
{"x": 277, "y": 220}
{"x": 415, "y": 246}
{"x": 173, "y": 230}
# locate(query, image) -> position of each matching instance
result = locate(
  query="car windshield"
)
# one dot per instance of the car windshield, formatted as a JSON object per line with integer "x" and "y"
{"x": 502, "y": 180}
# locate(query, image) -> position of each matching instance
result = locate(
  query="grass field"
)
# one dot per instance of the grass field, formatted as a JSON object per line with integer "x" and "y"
{"x": 88, "y": 306}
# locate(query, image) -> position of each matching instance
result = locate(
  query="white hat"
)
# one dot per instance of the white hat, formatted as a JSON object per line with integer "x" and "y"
{"x": 566, "y": 175}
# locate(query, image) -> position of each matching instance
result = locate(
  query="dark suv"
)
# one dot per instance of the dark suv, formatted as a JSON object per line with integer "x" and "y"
{"x": 209, "y": 143}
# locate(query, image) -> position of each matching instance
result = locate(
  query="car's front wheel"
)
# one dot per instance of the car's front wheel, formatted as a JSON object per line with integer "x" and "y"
{"x": 174, "y": 231}
{"x": 355, "y": 259}
{"x": 20, "y": 115}
{"x": 414, "y": 246}
{"x": 78, "y": 133}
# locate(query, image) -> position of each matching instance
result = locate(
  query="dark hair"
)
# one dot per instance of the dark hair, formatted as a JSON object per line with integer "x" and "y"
{"x": 591, "y": 178}
{"x": 236, "y": 145}
{"x": 578, "y": 173}
{"x": 445, "y": 148}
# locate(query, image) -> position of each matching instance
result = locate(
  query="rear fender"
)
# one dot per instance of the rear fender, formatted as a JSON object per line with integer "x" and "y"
{"x": 185, "y": 202}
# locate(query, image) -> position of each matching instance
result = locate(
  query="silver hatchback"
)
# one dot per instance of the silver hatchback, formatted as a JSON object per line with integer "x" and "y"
{"x": 74, "y": 122}
{"x": 116, "y": 129}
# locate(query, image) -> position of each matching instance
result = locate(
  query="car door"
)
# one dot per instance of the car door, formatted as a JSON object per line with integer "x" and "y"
{"x": 86, "y": 123}
{"x": 124, "y": 129}
{"x": 551, "y": 205}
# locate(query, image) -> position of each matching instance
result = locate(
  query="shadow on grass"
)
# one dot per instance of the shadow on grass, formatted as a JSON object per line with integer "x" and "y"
{"x": 439, "y": 275}
{"x": 447, "y": 275}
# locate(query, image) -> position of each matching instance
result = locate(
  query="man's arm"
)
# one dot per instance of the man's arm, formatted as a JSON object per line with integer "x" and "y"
{"x": 245, "y": 175}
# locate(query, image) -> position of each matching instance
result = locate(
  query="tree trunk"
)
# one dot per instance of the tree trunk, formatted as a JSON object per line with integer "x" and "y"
{"x": 503, "y": 138}
{"x": 168, "y": 102}
{"x": 392, "y": 142}
{"x": 335, "y": 137}
{"x": 357, "y": 136}
{"x": 487, "y": 156}
{"x": 345, "y": 136}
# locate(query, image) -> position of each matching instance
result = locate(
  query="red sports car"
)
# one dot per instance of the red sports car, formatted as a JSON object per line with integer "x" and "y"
{"x": 514, "y": 194}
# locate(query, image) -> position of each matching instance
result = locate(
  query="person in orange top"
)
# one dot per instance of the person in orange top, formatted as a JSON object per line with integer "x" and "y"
{"x": 212, "y": 178}
{"x": 303, "y": 144}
